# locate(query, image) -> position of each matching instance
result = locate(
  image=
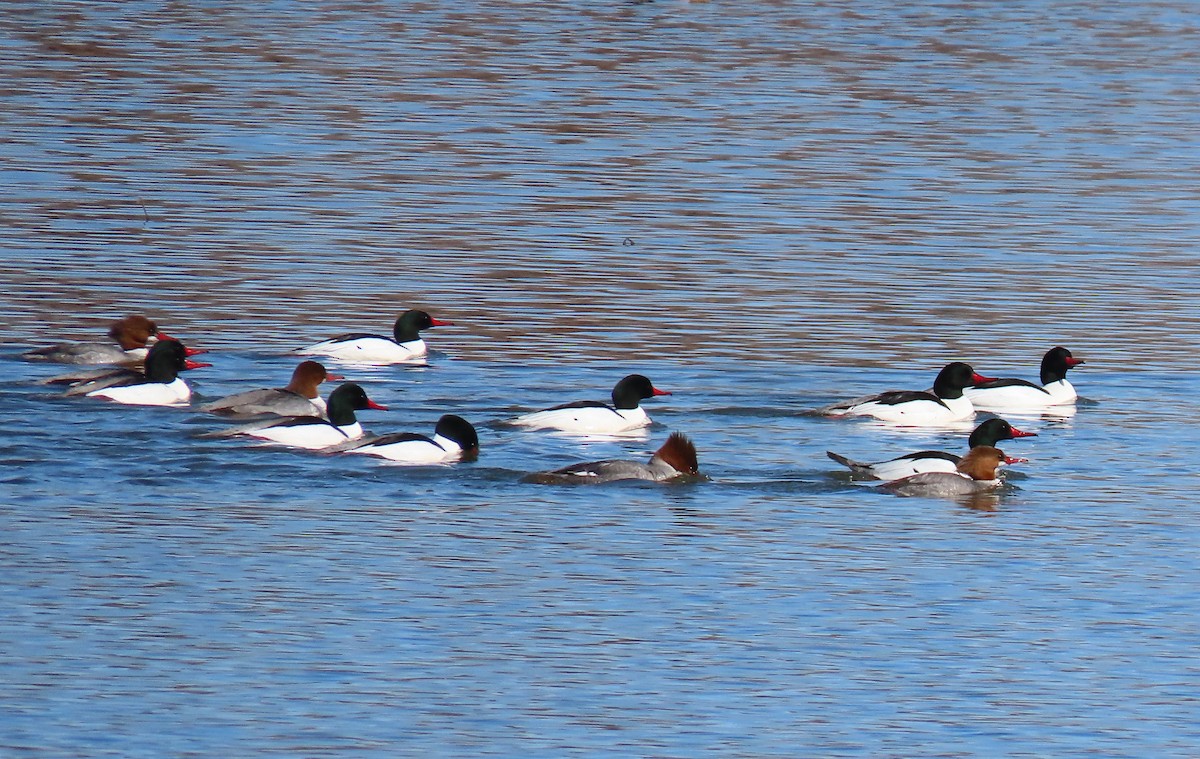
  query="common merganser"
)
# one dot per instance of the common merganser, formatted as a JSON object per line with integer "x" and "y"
{"x": 299, "y": 398}
{"x": 364, "y": 348}
{"x": 131, "y": 335}
{"x": 975, "y": 473}
{"x": 313, "y": 432}
{"x": 626, "y": 412}
{"x": 1010, "y": 394}
{"x": 85, "y": 381}
{"x": 453, "y": 439}
{"x": 160, "y": 385}
{"x": 988, "y": 434}
{"x": 945, "y": 403}
{"x": 676, "y": 458}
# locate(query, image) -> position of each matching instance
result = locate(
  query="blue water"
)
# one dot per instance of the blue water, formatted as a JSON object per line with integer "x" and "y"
{"x": 764, "y": 210}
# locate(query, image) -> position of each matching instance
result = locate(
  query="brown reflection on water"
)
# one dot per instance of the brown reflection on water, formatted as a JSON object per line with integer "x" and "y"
{"x": 664, "y": 180}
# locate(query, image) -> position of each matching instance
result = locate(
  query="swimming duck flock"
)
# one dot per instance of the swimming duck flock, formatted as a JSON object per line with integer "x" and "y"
{"x": 142, "y": 365}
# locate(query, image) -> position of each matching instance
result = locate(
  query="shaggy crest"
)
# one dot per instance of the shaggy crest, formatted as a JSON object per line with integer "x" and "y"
{"x": 680, "y": 453}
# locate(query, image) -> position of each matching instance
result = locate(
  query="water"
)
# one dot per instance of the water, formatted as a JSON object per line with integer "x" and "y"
{"x": 763, "y": 209}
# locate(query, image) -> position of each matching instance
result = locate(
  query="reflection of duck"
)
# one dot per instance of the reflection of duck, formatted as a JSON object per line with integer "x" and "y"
{"x": 367, "y": 348}
{"x": 160, "y": 385}
{"x": 131, "y": 335}
{"x": 1050, "y": 413}
{"x": 453, "y": 439}
{"x": 626, "y": 412}
{"x": 975, "y": 473}
{"x": 986, "y": 434}
{"x": 676, "y": 458}
{"x": 299, "y": 398}
{"x": 313, "y": 432}
{"x": 945, "y": 403}
{"x": 1007, "y": 394}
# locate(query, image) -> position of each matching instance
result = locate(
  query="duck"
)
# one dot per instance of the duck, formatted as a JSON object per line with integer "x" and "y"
{"x": 158, "y": 385}
{"x": 454, "y": 439}
{"x": 990, "y": 432}
{"x": 676, "y": 459}
{"x": 299, "y": 398}
{"x": 975, "y": 473}
{"x": 1009, "y": 394}
{"x": 84, "y": 381}
{"x": 591, "y": 417}
{"x": 364, "y": 348}
{"x": 945, "y": 403}
{"x": 132, "y": 335}
{"x": 311, "y": 431}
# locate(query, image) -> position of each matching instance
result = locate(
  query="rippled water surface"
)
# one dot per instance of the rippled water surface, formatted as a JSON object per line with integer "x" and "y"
{"x": 764, "y": 208}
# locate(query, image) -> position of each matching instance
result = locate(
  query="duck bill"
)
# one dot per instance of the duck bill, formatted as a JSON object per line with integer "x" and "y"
{"x": 1074, "y": 362}
{"x": 194, "y": 351}
{"x": 195, "y": 364}
{"x": 1019, "y": 433}
{"x": 376, "y": 406}
{"x": 440, "y": 323}
{"x": 331, "y": 377}
{"x": 660, "y": 392}
{"x": 1015, "y": 460}
{"x": 979, "y": 379}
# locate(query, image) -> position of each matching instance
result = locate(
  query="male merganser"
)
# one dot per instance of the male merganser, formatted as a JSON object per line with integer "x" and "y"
{"x": 676, "y": 458}
{"x": 299, "y": 398}
{"x": 1008, "y": 394}
{"x": 160, "y": 385}
{"x": 975, "y": 473}
{"x": 313, "y": 432}
{"x": 131, "y": 335}
{"x": 453, "y": 439}
{"x": 626, "y": 412}
{"x": 945, "y": 403}
{"x": 361, "y": 347}
{"x": 85, "y": 381}
{"x": 989, "y": 433}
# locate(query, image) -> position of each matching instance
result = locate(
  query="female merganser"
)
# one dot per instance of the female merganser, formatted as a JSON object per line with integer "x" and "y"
{"x": 945, "y": 403}
{"x": 1008, "y": 394}
{"x": 989, "y": 433}
{"x": 596, "y": 417}
{"x": 975, "y": 473}
{"x": 131, "y": 335}
{"x": 313, "y": 432}
{"x": 160, "y": 385}
{"x": 453, "y": 439}
{"x": 299, "y": 398}
{"x": 676, "y": 458}
{"x": 364, "y": 348}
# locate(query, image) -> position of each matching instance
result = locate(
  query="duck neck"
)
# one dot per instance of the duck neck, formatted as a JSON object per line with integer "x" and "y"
{"x": 406, "y": 330}
{"x": 625, "y": 398}
{"x": 161, "y": 369}
{"x": 341, "y": 413}
{"x": 946, "y": 390}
